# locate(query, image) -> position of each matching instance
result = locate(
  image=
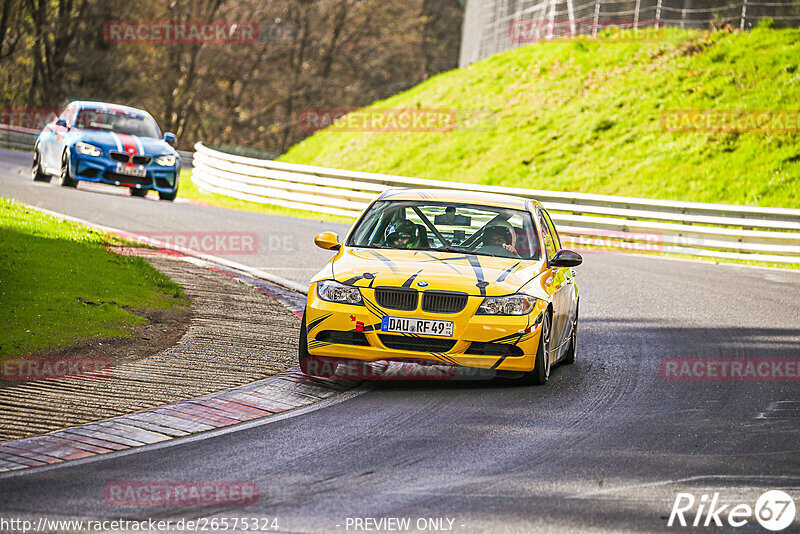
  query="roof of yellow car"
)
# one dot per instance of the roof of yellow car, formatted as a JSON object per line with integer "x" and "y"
{"x": 457, "y": 196}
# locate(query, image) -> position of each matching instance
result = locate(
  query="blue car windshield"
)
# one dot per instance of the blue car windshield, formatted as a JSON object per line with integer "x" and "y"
{"x": 118, "y": 122}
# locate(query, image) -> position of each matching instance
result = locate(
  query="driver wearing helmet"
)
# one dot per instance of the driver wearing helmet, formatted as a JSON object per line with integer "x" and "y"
{"x": 497, "y": 240}
{"x": 402, "y": 234}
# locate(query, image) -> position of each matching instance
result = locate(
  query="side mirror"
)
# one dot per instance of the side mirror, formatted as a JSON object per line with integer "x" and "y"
{"x": 566, "y": 258}
{"x": 62, "y": 123}
{"x": 328, "y": 241}
{"x": 171, "y": 138}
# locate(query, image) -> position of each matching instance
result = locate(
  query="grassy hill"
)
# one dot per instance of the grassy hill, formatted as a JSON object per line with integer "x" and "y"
{"x": 586, "y": 116}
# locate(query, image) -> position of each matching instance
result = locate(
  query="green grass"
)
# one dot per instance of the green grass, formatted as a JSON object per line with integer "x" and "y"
{"x": 585, "y": 116}
{"x": 59, "y": 285}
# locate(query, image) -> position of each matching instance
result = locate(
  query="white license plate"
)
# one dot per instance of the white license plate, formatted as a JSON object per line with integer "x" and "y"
{"x": 139, "y": 172}
{"x": 424, "y": 327}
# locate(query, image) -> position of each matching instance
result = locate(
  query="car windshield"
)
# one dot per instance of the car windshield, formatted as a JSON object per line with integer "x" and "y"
{"x": 122, "y": 122}
{"x": 447, "y": 227}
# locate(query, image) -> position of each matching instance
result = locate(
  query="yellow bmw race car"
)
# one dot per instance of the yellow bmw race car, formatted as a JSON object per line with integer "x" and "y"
{"x": 448, "y": 278}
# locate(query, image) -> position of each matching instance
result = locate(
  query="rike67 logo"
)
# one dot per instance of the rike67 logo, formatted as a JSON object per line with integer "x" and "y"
{"x": 774, "y": 510}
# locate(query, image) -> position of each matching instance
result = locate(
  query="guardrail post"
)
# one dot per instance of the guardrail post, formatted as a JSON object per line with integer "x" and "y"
{"x": 658, "y": 14}
{"x": 571, "y": 14}
{"x": 744, "y": 14}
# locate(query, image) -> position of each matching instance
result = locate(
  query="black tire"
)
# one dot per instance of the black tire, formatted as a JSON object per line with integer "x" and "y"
{"x": 138, "y": 192}
{"x": 569, "y": 356}
{"x": 36, "y": 169}
{"x": 309, "y": 364}
{"x": 541, "y": 367}
{"x": 66, "y": 179}
{"x": 169, "y": 197}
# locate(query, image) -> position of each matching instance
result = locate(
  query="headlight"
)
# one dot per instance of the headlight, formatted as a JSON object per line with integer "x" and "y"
{"x": 88, "y": 150}
{"x": 514, "y": 305}
{"x": 167, "y": 161}
{"x": 333, "y": 291}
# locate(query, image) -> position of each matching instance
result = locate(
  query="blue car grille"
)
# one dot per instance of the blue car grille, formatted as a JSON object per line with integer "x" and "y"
{"x": 119, "y": 156}
{"x": 125, "y": 158}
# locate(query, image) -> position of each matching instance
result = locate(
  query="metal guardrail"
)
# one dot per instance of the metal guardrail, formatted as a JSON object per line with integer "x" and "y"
{"x": 711, "y": 230}
{"x": 16, "y": 138}
{"x": 584, "y": 220}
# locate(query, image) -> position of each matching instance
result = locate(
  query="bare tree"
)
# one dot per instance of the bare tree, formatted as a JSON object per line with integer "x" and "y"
{"x": 10, "y": 27}
{"x": 55, "y": 26}
{"x": 310, "y": 54}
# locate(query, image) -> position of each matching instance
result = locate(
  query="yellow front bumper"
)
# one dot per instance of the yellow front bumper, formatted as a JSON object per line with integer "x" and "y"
{"x": 522, "y": 331}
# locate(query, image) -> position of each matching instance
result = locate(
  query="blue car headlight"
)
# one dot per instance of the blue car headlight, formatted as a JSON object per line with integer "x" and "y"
{"x": 518, "y": 304}
{"x": 333, "y": 291}
{"x": 88, "y": 150}
{"x": 167, "y": 161}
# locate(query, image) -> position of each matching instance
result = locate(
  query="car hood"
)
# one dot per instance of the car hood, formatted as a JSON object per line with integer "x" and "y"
{"x": 146, "y": 146}
{"x": 469, "y": 273}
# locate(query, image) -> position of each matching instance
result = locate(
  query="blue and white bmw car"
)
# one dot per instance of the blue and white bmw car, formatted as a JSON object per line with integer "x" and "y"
{"x": 108, "y": 143}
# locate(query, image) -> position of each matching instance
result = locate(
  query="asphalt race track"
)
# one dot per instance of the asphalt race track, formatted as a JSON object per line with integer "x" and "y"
{"x": 605, "y": 446}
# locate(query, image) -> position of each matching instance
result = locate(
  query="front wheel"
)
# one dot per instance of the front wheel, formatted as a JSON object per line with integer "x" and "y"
{"x": 541, "y": 366}
{"x": 66, "y": 178}
{"x": 569, "y": 356}
{"x": 36, "y": 169}
{"x": 309, "y": 364}
{"x": 169, "y": 197}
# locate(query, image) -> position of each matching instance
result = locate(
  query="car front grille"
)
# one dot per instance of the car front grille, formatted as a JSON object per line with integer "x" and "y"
{"x": 122, "y": 157}
{"x": 339, "y": 337}
{"x": 396, "y": 298}
{"x": 485, "y": 348}
{"x": 418, "y": 344}
{"x": 443, "y": 302}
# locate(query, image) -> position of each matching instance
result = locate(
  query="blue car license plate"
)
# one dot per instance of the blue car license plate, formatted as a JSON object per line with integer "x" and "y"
{"x": 138, "y": 171}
